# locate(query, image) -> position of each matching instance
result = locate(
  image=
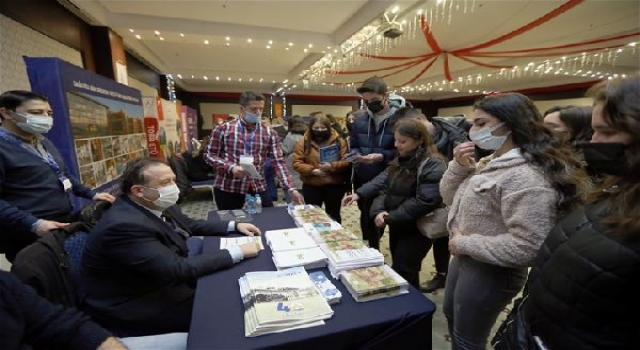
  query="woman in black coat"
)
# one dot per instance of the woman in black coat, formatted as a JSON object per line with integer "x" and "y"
{"x": 407, "y": 196}
{"x": 584, "y": 290}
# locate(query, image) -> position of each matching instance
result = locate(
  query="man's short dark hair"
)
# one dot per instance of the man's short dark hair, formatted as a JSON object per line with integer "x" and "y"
{"x": 134, "y": 172}
{"x": 248, "y": 96}
{"x": 407, "y": 112}
{"x": 15, "y": 98}
{"x": 373, "y": 84}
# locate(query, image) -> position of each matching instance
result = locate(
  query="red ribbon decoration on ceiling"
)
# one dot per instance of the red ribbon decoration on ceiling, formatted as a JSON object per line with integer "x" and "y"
{"x": 465, "y": 54}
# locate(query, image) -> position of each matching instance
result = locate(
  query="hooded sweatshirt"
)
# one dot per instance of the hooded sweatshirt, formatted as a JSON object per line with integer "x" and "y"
{"x": 374, "y": 134}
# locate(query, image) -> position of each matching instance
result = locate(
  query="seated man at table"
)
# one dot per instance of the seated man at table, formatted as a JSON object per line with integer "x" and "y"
{"x": 136, "y": 273}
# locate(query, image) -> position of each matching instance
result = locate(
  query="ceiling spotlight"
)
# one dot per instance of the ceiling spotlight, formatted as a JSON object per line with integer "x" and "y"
{"x": 250, "y": 80}
{"x": 182, "y": 35}
{"x": 239, "y": 79}
{"x": 305, "y": 50}
{"x": 228, "y": 79}
{"x": 249, "y": 40}
{"x": 285, "y": 81}
{"x": 395, "y": 9}
{"x": 131, "y": 30}
{"x": 328, "y": 47}
{"x": 161, "y": 39}
{"x": 273, "y": 82}
{"x": 227, "y": 44}
{"x": 217, "y": 78}
{"x": 206, "y": 78}
{"x": 268, "y": 46}
{"x": 227, "y": 38}
{"x": 335, "y": 51}
{"x": 138, "y": 36}
{"x": 179, "y": 76}
{"x": 286, "y": 48}
{"x": 261, "y": 80}
{"x": 420, "y": 11}
{"x": 192, "y": 77}
{"x": 206, "y": 42}
{"x": 270, "y": 42}
{"x": 157, "y": 32}
{"x": 310, "y": 45}
{"x": 290, "y": 44}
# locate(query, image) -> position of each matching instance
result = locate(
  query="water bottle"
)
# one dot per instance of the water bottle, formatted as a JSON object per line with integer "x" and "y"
{"x": 258, "y": 204}
{"x": 250, "y": 204}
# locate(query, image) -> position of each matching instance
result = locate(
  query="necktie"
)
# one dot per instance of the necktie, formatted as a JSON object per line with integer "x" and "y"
{"x": 171, "y": 222}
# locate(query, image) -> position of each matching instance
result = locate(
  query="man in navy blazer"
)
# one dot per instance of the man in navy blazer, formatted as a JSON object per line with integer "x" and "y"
{"x": 136, "y": 275}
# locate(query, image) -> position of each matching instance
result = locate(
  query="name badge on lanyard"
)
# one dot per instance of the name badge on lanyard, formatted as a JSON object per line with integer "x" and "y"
{"x": 248, "y": 140}
{"x": 66, "y": 184}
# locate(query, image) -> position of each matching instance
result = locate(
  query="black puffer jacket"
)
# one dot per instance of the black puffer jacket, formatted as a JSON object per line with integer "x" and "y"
{"x": 584, "y": 289}
{"x": 403, "y": 197}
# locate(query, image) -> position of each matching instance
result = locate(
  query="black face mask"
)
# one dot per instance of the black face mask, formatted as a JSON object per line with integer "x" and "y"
{"x": 375, "y": 106}
{"x": 605, "y": 157}
{"x": 320, "y": 135}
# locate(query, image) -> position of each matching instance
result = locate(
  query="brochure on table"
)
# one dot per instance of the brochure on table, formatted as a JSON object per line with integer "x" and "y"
{"x": 98, "y": 122}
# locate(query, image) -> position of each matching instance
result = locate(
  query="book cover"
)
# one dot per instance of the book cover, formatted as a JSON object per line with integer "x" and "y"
{"x": 330, "y": 153}
{"x": 289, "y": 239}
{"x": 336, "y": 235}
{"x": 375, "y": 279}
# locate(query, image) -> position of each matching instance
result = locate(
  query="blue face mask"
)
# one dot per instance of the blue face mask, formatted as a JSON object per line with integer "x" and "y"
{"x": 251, "y": 118}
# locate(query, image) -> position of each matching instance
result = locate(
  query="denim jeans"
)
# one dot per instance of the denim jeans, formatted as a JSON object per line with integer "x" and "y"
{"x": 475, "y": 295}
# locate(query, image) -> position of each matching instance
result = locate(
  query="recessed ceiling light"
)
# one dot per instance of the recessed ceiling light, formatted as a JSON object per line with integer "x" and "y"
{"x": 335, "y": 51}
{"x": 286, "y": 48}
{"x": 179, "y": 76}
{"x": 273, "y": 82}
{"x": 270, "y": 42}
{"x": 290, "y": 44}
{"x": 324, "y": 51}
{"x": 228, "y": 79}
{"x": 250, "y": 80}
{"x": 182, "y": 35}
{"x": 249, "y": 40}
{"x": 395, "y": 9}
{"x": 227, "y": 44}
{"x": 227, "y": 38}
{"x": 161, "y": 39}
{"x": 138, "y": 36}
{"x": 285, "y": 81}
{"x": 261, "y": 80}
{"x": 206, "y": 42}
{"x": 217, "y": 78}
{"x": 419, "y": 11}
{"x": 192, "y": 77}
{"x": 157, "y": 32}
{"x": 328, "y": 47}
{"x": 268, "y": 46}
{"x": 239, "y": 79}
{"x": 206, "y": 78}
{"x": 310, "y": 45}
{"x": 305, "y": 50}
{"x": 131, "y": 30}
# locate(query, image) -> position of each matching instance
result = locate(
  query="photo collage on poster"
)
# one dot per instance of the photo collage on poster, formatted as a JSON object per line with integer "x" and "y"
{"x": 107, "y": 134}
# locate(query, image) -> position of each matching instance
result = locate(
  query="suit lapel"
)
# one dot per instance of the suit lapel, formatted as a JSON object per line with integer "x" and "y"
{"x": 164, "y": 228}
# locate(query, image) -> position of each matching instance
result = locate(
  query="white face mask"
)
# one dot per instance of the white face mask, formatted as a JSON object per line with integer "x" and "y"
{"x": 484, "y": 138}
{"x": 168, "y": 196}
{"x": 34, "y": 124}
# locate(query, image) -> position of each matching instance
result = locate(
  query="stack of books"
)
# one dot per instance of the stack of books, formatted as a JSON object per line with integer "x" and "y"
{"x": 326, "y": 287}
{"x": 294, "y": 247}
{"x": 347, "y": 255}
{"x": 308, "y": 214}
{"x": 278, "y": 301}
{"x": 370, "y": 283}
{"x": 325, "y": 235}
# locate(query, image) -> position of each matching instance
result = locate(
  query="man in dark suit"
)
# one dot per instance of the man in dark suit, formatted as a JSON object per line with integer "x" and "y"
{"x": 137, "y": 276}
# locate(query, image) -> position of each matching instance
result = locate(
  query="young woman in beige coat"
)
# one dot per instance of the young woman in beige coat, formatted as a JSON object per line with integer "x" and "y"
{"x": 501, "y": 210}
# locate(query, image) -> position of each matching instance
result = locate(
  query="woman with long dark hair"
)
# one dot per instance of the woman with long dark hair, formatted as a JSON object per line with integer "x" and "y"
{"x": 410, "y": 192}
{"x": 501, "y": 209}
{"x": 583, "y": 290}
{"x": 324, "y": 179}
{"x": 571, "y": 124}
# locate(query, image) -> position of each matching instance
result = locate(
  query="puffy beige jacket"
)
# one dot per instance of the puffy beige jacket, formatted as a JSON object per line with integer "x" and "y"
{"x": 504, "y": 208}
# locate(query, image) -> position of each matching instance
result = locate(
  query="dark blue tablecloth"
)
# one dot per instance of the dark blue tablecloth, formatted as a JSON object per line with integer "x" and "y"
{"x": 402, "y": 322}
